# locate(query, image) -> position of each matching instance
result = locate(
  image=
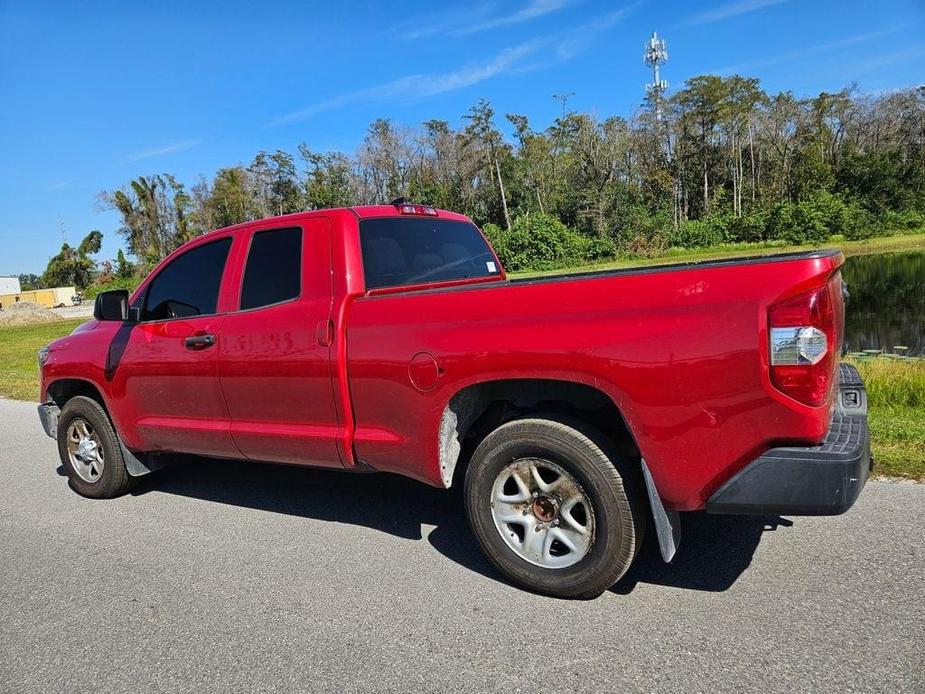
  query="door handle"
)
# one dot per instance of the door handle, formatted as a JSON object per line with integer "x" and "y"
{"x": 199, "y": 342}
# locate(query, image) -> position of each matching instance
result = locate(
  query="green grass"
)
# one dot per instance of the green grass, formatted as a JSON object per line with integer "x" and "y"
{"x": 886, "y": 244}
{"x": 895, "y": 389}
{"x": 896, "y": 401}
{"x": 19, "y": 368}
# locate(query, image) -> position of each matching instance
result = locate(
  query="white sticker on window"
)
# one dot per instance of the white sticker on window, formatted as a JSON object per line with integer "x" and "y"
{"x": 491, "y": 266}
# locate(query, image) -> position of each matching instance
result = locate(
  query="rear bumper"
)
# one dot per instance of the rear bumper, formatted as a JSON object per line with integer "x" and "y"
{"x": 823, "y": 480}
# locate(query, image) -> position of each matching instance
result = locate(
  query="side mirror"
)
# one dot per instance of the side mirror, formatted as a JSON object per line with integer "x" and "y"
{"x": 112, "y": 305}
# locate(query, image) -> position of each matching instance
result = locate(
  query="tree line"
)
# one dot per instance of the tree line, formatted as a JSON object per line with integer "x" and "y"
{"x": 720, "y": 161}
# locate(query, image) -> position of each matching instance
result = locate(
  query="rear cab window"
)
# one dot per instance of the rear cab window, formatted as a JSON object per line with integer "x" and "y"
{"x": 404, "y": 251}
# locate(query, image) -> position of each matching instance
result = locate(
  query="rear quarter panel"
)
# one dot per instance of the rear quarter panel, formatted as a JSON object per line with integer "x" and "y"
{"x": 682, "y": 352}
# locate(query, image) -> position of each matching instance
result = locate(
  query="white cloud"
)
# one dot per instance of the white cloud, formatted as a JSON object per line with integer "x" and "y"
{"x": 733, "y": 9}
{"x": 167, "y": 149}
{"x": 578, "y": 39}
{"x": 419, "y": 84}
{"x": 441, "y": 23}
{"x": 563, "y": 46}
{"x": 475, "y": 19}
{"x": 535, "y": 9}
{"x": 889, "y": 59}
{"x": 817, "y": 49}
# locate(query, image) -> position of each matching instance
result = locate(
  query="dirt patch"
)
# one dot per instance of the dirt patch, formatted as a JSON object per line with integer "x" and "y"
{"x": 27, "y": 313}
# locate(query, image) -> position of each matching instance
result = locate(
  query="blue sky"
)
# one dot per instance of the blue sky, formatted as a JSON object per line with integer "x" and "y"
{"x": 93, "y": 94}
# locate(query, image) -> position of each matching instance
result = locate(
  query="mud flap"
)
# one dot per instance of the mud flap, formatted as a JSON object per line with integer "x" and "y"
{"x": 135, "y": 467}
{"x": 667, "y": 523}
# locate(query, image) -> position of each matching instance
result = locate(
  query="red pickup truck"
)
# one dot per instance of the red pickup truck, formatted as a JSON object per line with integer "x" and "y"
{"x": 576, "y": 410}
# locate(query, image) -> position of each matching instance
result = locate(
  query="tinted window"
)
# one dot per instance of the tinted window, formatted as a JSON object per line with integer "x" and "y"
{"x": 404, "y": 250}
{"x": 274, "y": 265}
{"x": 188, "y": 286}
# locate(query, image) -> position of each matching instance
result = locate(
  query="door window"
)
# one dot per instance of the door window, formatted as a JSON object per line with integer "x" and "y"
{"x": 189, "y": 285}
{"x": 274, "y": 268}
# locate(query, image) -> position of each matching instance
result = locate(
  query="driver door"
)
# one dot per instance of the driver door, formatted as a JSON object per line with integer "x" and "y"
{"x": 165, "y": 372}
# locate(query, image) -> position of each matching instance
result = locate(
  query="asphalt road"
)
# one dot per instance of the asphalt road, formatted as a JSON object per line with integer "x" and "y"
{"x": 222, "y": 576}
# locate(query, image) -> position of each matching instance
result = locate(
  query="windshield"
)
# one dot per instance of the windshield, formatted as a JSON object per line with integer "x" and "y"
{"x": 400, "y": 251}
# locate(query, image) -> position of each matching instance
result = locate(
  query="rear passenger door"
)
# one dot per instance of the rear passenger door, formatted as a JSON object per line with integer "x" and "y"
{"x": 274, "y": 360}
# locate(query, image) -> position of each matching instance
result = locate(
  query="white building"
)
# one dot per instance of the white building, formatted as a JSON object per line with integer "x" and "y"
{"x": 9, "y": 285}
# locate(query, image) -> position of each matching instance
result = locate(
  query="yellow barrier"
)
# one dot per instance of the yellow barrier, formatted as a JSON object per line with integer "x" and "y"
{"x": 49, "y": 298}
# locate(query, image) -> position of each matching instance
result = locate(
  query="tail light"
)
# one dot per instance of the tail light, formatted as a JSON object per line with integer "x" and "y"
{"x": 805, "y": 336}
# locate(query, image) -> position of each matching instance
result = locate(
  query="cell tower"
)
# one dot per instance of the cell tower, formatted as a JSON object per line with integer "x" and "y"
{"x": 656, "y": 54}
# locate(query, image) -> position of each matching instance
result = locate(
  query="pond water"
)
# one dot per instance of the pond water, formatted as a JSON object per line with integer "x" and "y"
{"x": 886, "y": 310}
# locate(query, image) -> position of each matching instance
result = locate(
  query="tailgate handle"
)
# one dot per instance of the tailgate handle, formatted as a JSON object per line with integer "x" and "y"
{"x": 199, "y": 342}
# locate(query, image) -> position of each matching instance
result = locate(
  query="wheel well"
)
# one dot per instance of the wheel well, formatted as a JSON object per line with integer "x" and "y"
{"x": 479, "y": 409}
{"x": 63, "y": 390}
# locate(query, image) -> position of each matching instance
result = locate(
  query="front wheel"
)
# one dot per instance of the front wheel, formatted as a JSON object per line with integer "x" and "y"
{"x": 553, "y": 507}
{"x": 90, "y": 451}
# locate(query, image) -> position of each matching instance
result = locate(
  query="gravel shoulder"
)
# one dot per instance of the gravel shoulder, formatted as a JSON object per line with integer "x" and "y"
{"x": 85, "y": 310}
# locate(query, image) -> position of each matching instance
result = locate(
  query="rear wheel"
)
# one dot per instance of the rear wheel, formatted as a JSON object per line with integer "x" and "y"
{"x": 553, "y": 507}
{"x": 90, "y": 451}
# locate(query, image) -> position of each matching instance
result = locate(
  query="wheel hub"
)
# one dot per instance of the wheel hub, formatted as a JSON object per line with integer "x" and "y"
{"x": 86, "y": 449}
{"x": 545, "y": 508}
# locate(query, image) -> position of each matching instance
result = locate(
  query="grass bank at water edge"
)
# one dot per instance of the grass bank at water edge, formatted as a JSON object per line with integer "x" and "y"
{"x": 886, "y": 244}
{"x": 896, "y": 405}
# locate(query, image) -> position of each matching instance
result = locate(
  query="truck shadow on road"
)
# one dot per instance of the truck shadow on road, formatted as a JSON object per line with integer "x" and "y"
{"x": 714, "y": 550}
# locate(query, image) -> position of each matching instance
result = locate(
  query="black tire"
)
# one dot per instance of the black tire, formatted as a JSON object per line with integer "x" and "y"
{"x": 613, "y": 488}
{"x": 113, "y": 479}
